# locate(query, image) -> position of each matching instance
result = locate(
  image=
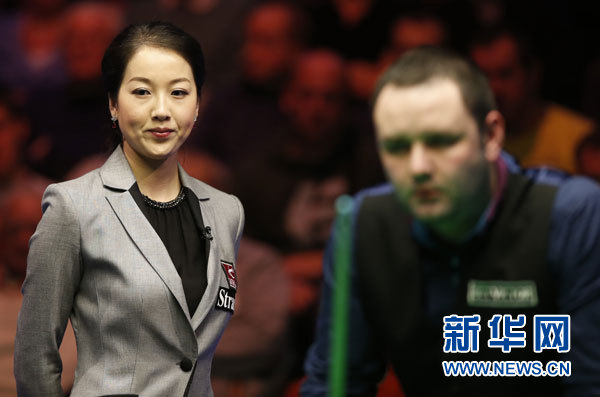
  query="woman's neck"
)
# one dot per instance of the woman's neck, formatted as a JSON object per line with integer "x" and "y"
{"x": 157, "y": 179}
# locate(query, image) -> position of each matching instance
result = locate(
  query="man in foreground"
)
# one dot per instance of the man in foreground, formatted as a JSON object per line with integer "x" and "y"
{"x": 455, "y": 256}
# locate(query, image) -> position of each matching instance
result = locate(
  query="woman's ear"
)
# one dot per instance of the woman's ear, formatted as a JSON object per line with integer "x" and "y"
{"x": 112, "y": 107}
{"x": 493, "y": 135}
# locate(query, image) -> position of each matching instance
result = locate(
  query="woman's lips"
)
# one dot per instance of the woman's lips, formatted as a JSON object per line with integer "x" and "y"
{"x": 161, "y": 132}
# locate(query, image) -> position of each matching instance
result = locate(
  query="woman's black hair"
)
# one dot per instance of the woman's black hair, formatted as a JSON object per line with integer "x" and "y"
{"x": 153, "y": 34}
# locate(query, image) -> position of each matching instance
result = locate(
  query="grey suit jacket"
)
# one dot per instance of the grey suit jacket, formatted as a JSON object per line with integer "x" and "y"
{"x": 95, "y": 259}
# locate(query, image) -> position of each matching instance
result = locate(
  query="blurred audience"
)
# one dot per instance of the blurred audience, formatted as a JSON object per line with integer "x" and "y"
{"x": 86, "y": 165}
{"x": 254, "y": 357}
{"x": 588, "y": 156}
{"x": 343, "y": 25}
{"x": 20, "y": 212}
{"x": 89, "y": 27}
{"x": 14, "y": 132}
{"x": 285, "y": 110}
{"x": 355, "y": 29}
{"x": 591, "y": 90}
{"x": 289, "y": 188}
{"x": 411, "y": 29}
{"x": 415, "y": 29}
{"x": 240, "y": 119}
{"x": 538, "y": 132}
{"x": 214, "y": 23}
{"x": 274, "y": 34}
{"x": 66, "y": 120}
{"x": 30, "y": 47}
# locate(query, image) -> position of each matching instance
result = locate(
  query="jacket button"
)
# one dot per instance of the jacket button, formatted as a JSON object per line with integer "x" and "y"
{"x": 186, "y": 365}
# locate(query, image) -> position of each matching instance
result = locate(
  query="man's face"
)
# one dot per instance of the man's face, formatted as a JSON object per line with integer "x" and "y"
{"x": 432, "y": 151}
{"x": 315, "y": 98}
{"x": 589, "y": 162}
{"x": 508, "y": 78}
{"x": 268, "y": 50}
{"x": 409, "y": 32}
{"x": 86, "y": 40}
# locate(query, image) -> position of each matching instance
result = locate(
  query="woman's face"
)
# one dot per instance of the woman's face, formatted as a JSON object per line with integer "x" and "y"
{"x": 156, "y": 104}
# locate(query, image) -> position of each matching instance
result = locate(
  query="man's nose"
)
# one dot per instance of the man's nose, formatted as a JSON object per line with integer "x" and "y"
{"x": 161, "y": 108}
{"x": 421, "y": 165}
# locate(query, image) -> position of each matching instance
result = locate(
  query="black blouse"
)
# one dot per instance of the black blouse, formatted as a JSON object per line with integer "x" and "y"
{"x": 180, "y": 229}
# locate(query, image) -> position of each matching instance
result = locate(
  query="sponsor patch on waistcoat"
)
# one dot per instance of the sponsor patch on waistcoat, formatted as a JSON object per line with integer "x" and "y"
{"x": 501, "y": 293}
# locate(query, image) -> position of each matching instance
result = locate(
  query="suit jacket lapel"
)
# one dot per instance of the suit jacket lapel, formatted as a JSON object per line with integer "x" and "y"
{"x": 117, "y": 175}
{"x": 149, "y": 243}
{"x": 213, "y": 268}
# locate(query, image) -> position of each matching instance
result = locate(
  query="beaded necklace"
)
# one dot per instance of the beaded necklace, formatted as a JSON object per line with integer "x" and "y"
{"x": 163, "y": 205}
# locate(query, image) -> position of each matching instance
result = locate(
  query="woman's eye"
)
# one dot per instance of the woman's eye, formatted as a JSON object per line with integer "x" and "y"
{"x": 179, "y": 93}
{"x": 141, "y": 91}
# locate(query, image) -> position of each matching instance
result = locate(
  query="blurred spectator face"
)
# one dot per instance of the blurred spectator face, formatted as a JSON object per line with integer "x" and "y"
{"x": 589, "y": 162}
{"x": 13, "y": 134}
{"x": 44, "y": 7}
{"x": 408, "y": 33}
{"x": 206, "y": 168}
{"x": 432, "y": 151}
{"x": 89, "y": 30}
{"x": 21, "y": 213}
{"x": 269, "y": 47}
{"x": 315, "y": 98}
{"x": 351, "y": 12}
{"x": 508, "y": 77}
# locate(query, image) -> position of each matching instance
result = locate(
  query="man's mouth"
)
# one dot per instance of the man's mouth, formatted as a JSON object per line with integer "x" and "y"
{"x": 427, "y": 194}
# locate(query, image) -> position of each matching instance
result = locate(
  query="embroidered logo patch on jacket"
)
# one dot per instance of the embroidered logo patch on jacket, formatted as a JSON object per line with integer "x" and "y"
{"x": 226, "y": 300}
{"x": 230, "y": 273}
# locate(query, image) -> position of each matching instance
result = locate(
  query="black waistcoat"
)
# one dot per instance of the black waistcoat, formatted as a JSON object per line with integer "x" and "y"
{"x": 389, "y": 265}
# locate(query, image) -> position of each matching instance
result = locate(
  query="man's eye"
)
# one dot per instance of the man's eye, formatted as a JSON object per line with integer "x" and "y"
{"x": 141, "y": 91}
{"x": 441, "y": 141}
{"x": 179, "y": 93}
{"x": 396, "y": 146}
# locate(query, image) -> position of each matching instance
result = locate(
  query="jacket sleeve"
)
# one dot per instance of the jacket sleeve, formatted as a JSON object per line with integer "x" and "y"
{"x": 53, "y": 275}
{"x": 575, "y": 259}
{"x": 365, "y": 367}
{"x": 240, "y": 225}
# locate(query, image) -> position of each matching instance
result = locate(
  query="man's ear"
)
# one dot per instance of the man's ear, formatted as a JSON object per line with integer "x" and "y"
{"x": 493, "y": 135}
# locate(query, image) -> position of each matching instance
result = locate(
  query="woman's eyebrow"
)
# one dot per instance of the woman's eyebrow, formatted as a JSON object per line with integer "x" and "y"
{"x": 148, "y": 81}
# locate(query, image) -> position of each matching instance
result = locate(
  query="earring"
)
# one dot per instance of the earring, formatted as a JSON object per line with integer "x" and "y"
{"x": 114, "y": 121}
{"x": 195, "y": 118}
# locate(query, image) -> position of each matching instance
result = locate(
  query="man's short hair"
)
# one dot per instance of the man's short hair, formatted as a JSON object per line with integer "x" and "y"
{"x": 424, "y": 64}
